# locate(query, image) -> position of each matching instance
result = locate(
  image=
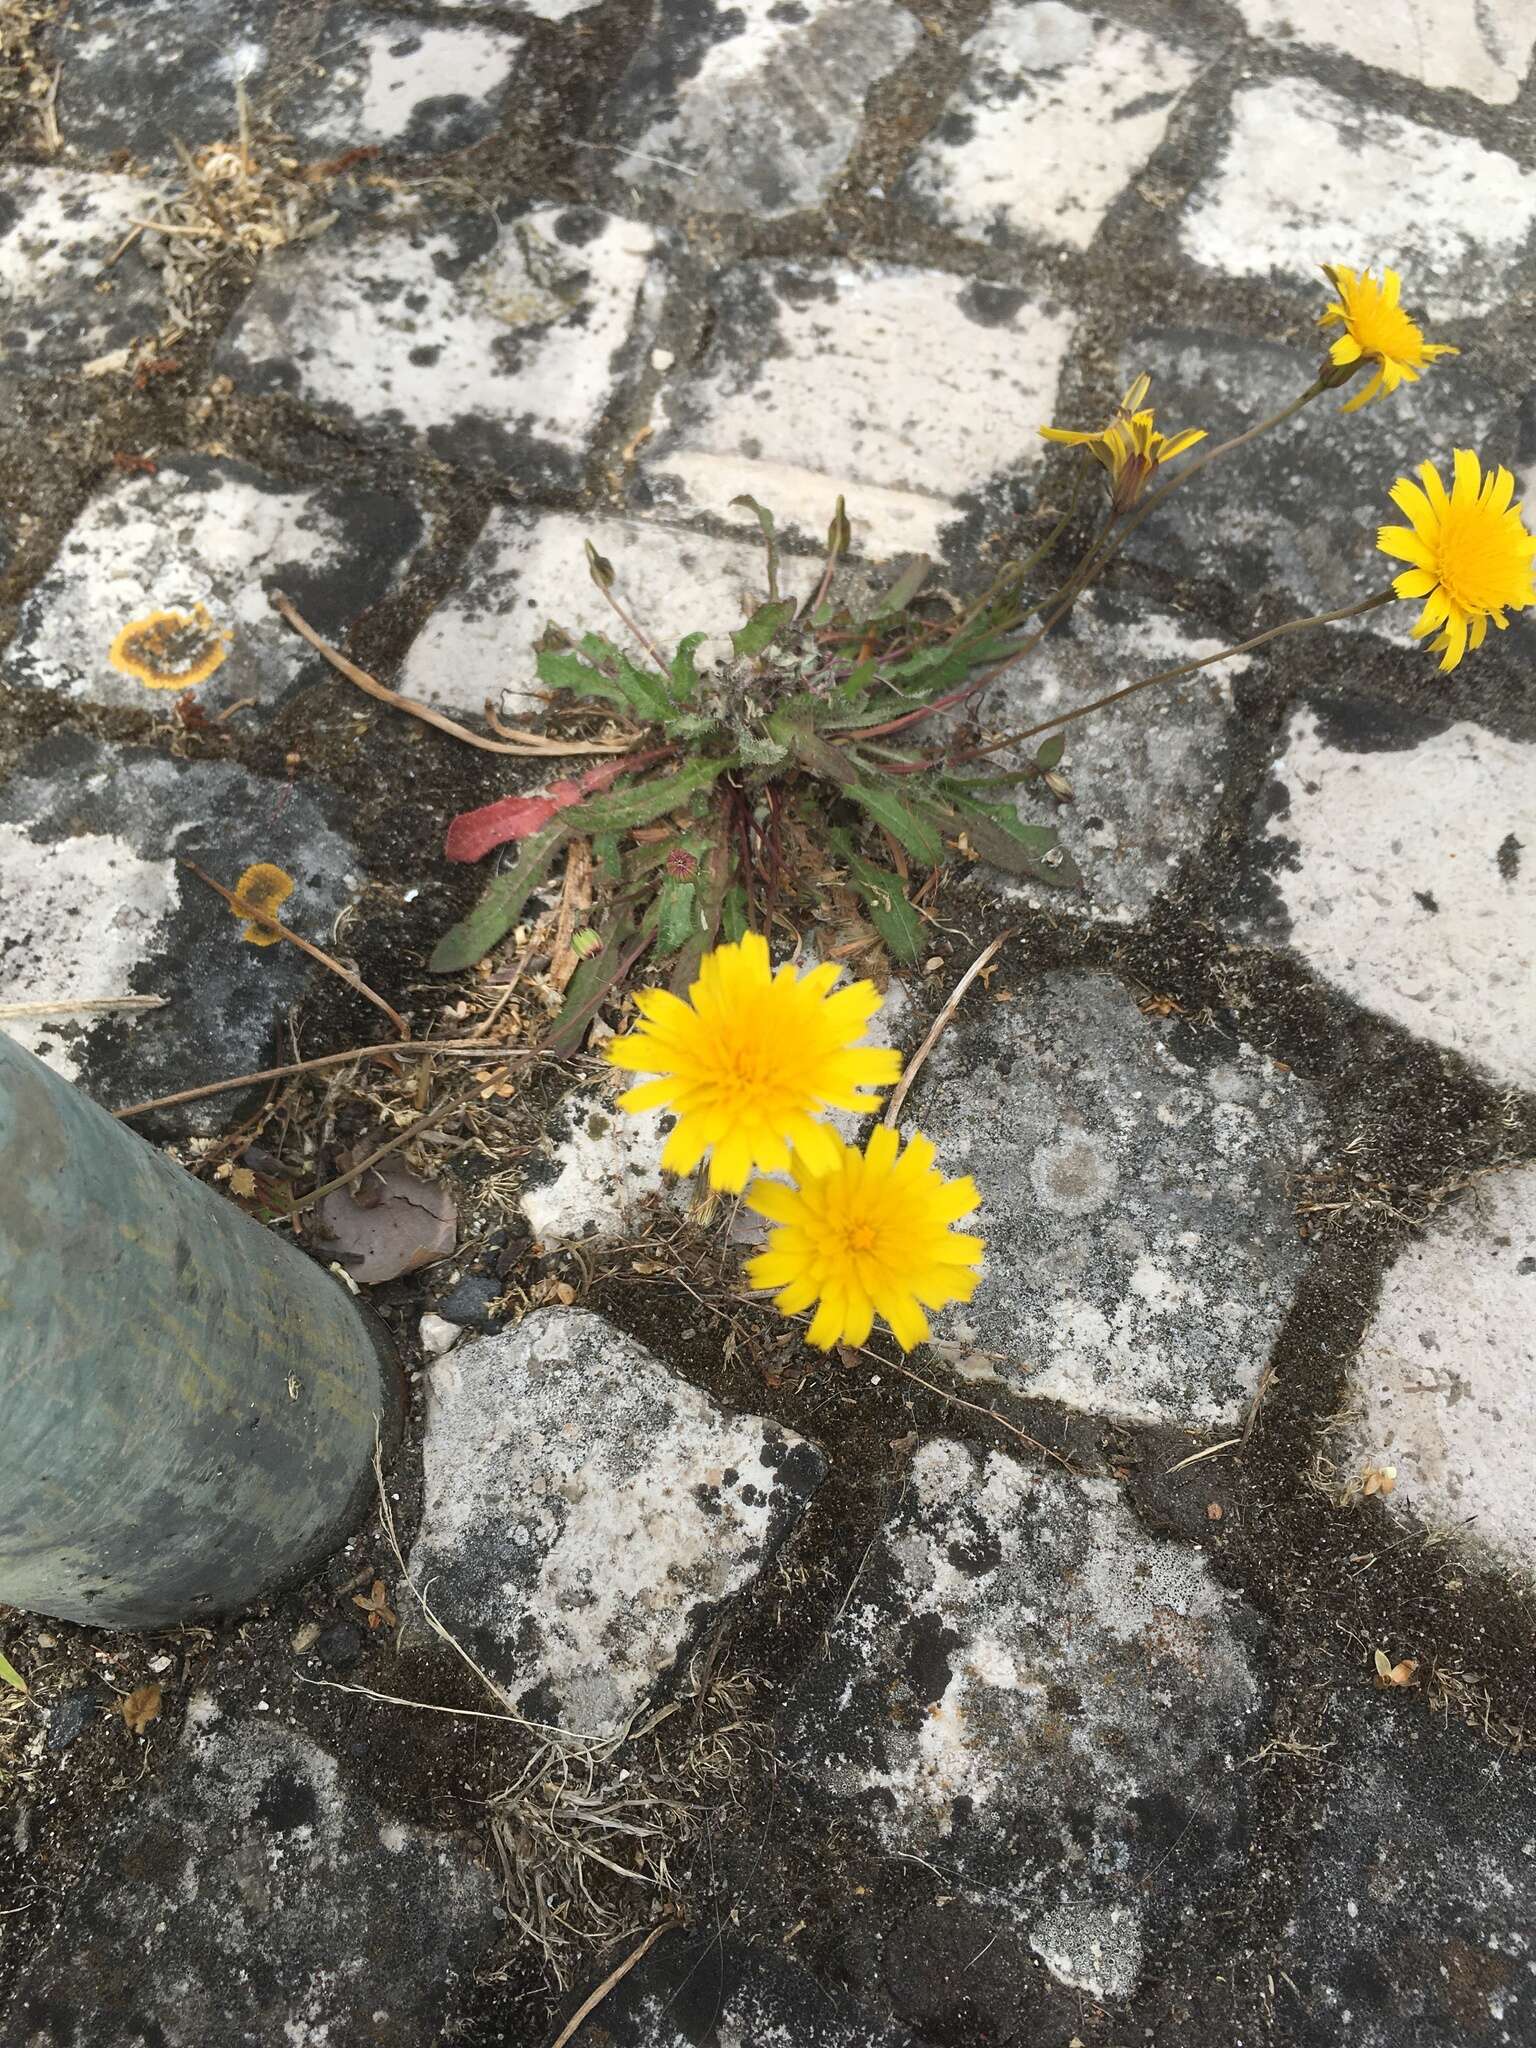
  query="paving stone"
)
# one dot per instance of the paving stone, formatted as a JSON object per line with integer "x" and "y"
{"x": 718, "y": 1989}
{"x": 1417, "y": 1903}
{"x": 137, "y": 73}
{"x": 1058, "y": 114}
{"x": 1042, "y": 1703}
{"x": 1455, "y": 217}
{"x": 602, "y": 1164}
{"x": 753, "y": 107}
{"x": 1446, "y": 1372}
{"x": 164, "y": 581}
{"x": 545, "y": 10}
{"x": 1298, "y": 511}
{"x": 250, "y": 1895}
{"x": 584, "y": 1511}
{"x": 1403, "y": 873}
{"x": 1146, "y": 775}
{"x": 1069, "y": 1105}
{"x": 93, "y": 903}
{"x": 417, "y": 87}
{"x": 1476, "y": 46}
{"x": 59, "y": 308}
{"x": 528, "y": 569}
{"x": 903, "y": 389}
{"x": 499, "y": 342}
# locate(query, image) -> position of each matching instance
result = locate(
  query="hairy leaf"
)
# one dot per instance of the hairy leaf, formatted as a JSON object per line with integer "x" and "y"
{"x": 901, "y": 819}
{"x": 733, "y": 914}
{"x": 767, "y": 621}
{"x": 645, "y": 692}
{"x": 622, "y": 809}
{"x": 472, "y": 834}
{"x": 676, "y": 914}
{"x": 883, "y": 897}
{"x": 563, "y": 669}
{"x": 1000, "y": 836}
{"x": 685, "y": 677}
{"x": 904, "y": 589}
{"x": 597, "y": 974}
{"x": 501, "y": 905}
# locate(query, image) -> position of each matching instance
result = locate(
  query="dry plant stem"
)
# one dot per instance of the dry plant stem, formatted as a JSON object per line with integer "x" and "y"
{"x": 531, "y": 745}
{"x": 78, "y": 1006}
{"x": 270, "y": 924}
{"x": 976, "y": 1408}
{"x": 634, "y": 626}
{"x": 589, "y": 2005}
{"x": 322, "y": 1060}
{"x": 423, "y": 1123}
{"x": 1169, "y": 675}
{"x": 941, "y": 1025}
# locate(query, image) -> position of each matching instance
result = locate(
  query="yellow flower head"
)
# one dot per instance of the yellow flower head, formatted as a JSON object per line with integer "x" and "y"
{"x": 869, "y": 1236}
{"x": 1130, "y": 447}
{"x": 1469, "y": 552}
{"x": 1376, "y": 330}
{"x": 750, "y": 1061}
{"x": 259, "y": 895}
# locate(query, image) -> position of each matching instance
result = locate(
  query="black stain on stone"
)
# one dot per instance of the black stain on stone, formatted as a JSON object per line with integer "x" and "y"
{"x": 978, "y": 1551}
{"x": 287, "y": 1802}
{"x": 926, "y": 1648}
{"x": 1355, "y": 725}
{"x": 578, "y": 225}
{"x": 1508, "y": 856}
{"x": 426, "y": 355}
{"x": 1425, "y": 898}
{"x": 991, "y": 305}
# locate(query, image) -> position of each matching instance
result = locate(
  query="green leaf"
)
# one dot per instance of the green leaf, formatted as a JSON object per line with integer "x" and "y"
{"x": 605, "y": 856}
{"x": 685, "y": 677}
{"x": 9, "y": 1675}
{"x": 889, "y": 911}
{"x": 904, "y": 589}
{"x": 900, "y": 819}
{"x": 767, "y": 621}
{"x": 821, "y": 757}
{"x": 1000, "y": 836}
{"x": 501, "y": 905}
{"x": 677, "y": 915}
{"x": 620, "y": 810}
{"x": 733, "y": 914}
{"x": 590, "y": 983}
{"x": 645, "y": 692}
{"x": 765, "y": 521}
{"x": 1050, "y": 751}
{"x": 562, "y": 669}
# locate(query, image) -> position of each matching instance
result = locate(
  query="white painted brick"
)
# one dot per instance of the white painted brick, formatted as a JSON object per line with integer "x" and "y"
{"x": 1060, "y": 112}
{"x": 1311, "y": 178}
{"x": 1477, "y": 46}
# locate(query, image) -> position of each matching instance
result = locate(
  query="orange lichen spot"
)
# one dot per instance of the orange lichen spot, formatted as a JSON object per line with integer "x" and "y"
{"x": 171, "y": 650}
{"x": 259, "y": 894}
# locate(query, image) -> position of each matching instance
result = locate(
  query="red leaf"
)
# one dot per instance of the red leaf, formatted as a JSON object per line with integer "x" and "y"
{"x": 473, "y": 834}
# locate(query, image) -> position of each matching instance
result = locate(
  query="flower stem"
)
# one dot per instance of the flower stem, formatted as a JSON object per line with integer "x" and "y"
{"x": 1169, "y": 675}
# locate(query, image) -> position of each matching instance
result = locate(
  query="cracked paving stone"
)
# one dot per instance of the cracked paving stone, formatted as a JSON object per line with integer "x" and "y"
{"x": 253, "y": 1894}
{"x": 1141, "y": 1245}
{"x": 528, "y": 570}
{"x": 754, "y": 107}
{"x": 1444, "y": 1381}
{"x": 585, "y": 1511}
{"x": 1060, "y": 112}
{"x": 902, "y": 389}
{"x": 60, "y": 308}
{"x": 1477, "y": 46}
{"x": 1042, "y": 1703}
{"x": 1453, "y": 217}
{"x": 162, "y": 584}
{"x": 1417, "y": 1903}
{"x": 499, "y": 342}
{"x": 137, "y": 73}
{"x": 1424, "y": 908}
{"x": 1146, "y": 776}
{"x": 93, "y": 903}
{"x": 416, "y": 87}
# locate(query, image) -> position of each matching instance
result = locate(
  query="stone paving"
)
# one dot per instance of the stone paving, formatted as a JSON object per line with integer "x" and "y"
{"x": 1149, "y": 1657}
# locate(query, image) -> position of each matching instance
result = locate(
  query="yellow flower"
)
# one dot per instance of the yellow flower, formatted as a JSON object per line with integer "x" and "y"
{"x": 1376, "y": 330}
{"x": 259, "y": 895}
{"x": 750, "y": 1061}
{"x": 1469, "y": 552}
{"x": 1130, "y": 447}
{"x": 870, "y": 1236}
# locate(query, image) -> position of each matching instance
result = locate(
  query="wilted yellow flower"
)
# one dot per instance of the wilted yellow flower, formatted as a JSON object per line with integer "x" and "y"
{"x": 869, "y": 1236}
{"x": 1130, "y": 447}
{"x": 1376, "y": 330}
{"x": 1469, "y": 551}
{"x": 750, "y": 1061}
{"x": 259, "y": 895}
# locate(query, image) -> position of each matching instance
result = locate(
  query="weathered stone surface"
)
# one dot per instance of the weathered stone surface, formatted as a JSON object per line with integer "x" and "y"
{"x": 1401, "y": 861}
{"x": 205, "y": 541}
{"x": 59, "y": 307}
{"x": 1141, "y": 1249}
{"x": 717, "y": 1989}
{"x": 1476, "y": 46}
{"x": 252, "y": 1895}
{"x": 1446, "y": 1373}
{"x": 753, "y": 107}
{"x": 1059, "y": 112}
{"x": 900, "y": 388}
{"x": 1416, "y": 1906}
{"x": 93, "y": 903}
{"x": 528, "y": 569}
{"x": 1041, "y": 1702}
{"x": 1146, "y": 774}
{"x": 416, "y": 87}
{"x": 602, "y": 1162}
{"x": 499, "y": 342}
{"x": 135, "y": 73}
{"x": 1454, "y": 215}
{"x": 584, "y": 1510}
{"x": 1298, "y": 512}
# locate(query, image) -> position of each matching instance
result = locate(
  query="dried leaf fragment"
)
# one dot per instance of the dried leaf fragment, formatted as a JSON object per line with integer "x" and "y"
{"x": 140, "y": 1707}
{"x": 1388, "y": 1673}
{"x": 375, "y": 1604}
{"x": 1378, "y": 1479}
